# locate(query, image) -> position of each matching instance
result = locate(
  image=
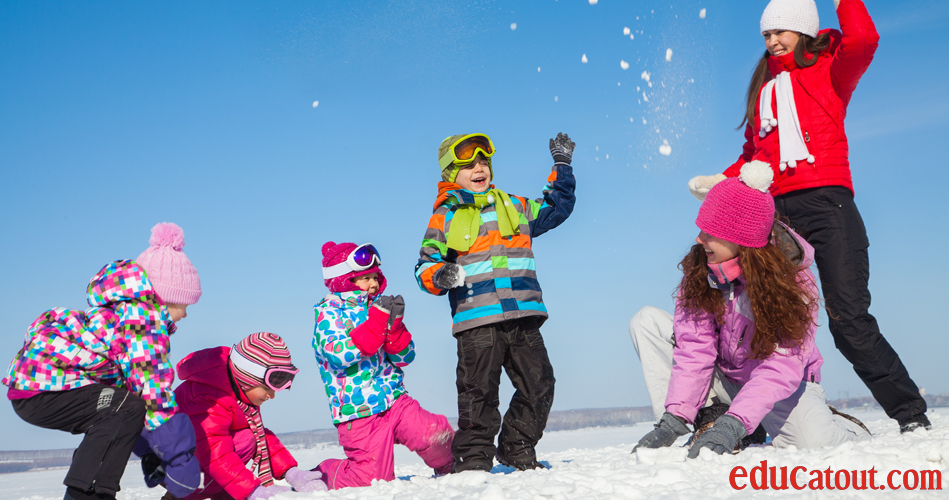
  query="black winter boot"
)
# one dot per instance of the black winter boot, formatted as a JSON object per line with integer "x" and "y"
{"x": 915, "y": 422}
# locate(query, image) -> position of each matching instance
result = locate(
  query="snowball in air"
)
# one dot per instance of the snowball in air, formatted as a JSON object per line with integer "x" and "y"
{"x": 316, "y": 103}
{"x": 702, "y": 14}
{"x": 556, "y": 98}
{"x": 513, "y": 26}
{"x": 593, "y": 2}
{"x": 538, "y": 69}
{"x": 583, "y": 59}
{"x": 668, "y": 55}
{"x": 626, "y": 30}
{"x": 665, "y": 149}
{"x": 623, "y": 64}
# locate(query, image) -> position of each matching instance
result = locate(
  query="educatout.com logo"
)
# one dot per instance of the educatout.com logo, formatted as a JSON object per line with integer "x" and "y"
{"x": 763, "y": 477}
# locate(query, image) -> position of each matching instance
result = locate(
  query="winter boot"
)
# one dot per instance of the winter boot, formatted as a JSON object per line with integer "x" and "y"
{"x": 705, "y": 419}
{"x": 73, "y": 493}
{"x": 915, "y": 422}
{"x": 518, "y": 464}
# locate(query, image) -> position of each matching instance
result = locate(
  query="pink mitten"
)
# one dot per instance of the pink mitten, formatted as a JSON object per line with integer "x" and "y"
{"x": 370, "y": 335}
{"x": 305, "y": 480}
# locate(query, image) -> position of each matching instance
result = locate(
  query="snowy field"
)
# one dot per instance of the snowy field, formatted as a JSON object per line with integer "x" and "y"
{"x": 597, "y": 464}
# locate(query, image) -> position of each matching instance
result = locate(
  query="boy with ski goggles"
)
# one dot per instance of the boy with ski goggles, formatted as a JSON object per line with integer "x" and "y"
{"x": 477, "y": 250}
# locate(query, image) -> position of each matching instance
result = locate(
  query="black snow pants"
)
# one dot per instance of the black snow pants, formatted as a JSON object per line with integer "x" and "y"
{"x": 112, "y": 419}
{"x": 829, "y": 220}
{"x": 517, "y": 346}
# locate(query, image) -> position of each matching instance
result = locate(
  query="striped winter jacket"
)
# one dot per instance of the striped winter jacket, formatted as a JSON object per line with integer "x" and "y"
{"x": 501, "y": 280}
{"x": 121, "y": 340}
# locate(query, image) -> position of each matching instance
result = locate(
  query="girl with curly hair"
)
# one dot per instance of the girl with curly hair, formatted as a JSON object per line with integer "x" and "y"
{"x": 742, "y": 334}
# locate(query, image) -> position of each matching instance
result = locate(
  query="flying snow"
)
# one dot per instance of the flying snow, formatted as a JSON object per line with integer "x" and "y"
{"x": 623, "y": 64}
{"x": 702, "y": 14}
{"x": 593, "y": 2}
{"x": 513, "y": 26}
{"x": 583, "y": 59}
{"x": 665, "y": 149}
{"x": 668, "y": 55}
{"x": 316, "y": 103}
{"x": 626, "y": 30}
{"x": 645, "y": 76}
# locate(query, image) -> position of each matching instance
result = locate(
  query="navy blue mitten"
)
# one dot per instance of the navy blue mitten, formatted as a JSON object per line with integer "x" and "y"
{"x": 173, "y": 443}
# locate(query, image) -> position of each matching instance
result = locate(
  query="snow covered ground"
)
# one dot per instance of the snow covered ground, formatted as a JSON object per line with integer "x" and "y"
{"x": 597, "y": 464}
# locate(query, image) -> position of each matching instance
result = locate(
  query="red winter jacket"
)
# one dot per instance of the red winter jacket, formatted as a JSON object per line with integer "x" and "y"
{"x": 821, "y": 95}
{"x": 206, "y": 396}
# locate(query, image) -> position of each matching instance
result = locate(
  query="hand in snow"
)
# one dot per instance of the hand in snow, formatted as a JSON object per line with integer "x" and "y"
{"x": 450, "y": 276}
{"x": 561, "y": 148}
{"x": 305, "y": 480}
{"x": 700, "y": 185}
{"x": 723, "y": 437}
{"x": 262, "y": 492}
{"x": 664, "y": 434}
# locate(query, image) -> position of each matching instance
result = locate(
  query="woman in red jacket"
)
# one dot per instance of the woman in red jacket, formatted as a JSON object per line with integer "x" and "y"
{"x": 222, "y": 392}
{"x": 796, "y": 105}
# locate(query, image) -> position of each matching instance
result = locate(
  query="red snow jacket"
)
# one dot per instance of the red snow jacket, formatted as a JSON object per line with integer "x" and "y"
{"x": 821, "y": 95}
{"x": 207, "y": 397}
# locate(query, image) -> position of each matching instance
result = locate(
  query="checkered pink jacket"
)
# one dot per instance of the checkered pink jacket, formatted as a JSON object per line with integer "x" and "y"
{"x": 121, "y": 340}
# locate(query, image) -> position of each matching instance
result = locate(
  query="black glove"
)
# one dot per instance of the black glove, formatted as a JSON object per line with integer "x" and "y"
{"x": 396, "y": 309}
{"x": 449, "y": 276}
{"x": 664, "y": 434}
{"x": 561, "y": 148}
{"x": 722, "y": 437}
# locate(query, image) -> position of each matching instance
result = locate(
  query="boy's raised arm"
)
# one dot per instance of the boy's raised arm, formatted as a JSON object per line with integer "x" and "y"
{"x": 558, "y": 198}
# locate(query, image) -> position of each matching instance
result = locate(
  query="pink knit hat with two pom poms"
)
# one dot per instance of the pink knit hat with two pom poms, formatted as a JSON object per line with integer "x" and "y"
{"x": 740, "y": 210}
{"x": 336, "y": 253}
{"x": 168, "y": 268}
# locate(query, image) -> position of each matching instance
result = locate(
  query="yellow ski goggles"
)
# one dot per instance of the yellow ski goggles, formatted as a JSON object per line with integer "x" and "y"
{"x": 466, "y": 149}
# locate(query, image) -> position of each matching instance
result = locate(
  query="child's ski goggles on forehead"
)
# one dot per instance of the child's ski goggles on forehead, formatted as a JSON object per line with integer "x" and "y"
{"x": 465, "y": 150}
{"x": 360, "y": 259}
{"x": 277, "y": 378}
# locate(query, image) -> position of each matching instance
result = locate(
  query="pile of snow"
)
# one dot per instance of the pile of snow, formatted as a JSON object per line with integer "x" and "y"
{"x": 597, "y": 464}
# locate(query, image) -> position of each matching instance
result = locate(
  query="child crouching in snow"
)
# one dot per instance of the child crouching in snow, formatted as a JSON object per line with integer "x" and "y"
{"x": 743, "y": 331}
{"x": 361, "y": 346}
{"x": 222, "y": 392}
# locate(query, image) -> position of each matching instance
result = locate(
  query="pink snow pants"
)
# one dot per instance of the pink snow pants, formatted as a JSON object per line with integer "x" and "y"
{"x": 368, "y": 443}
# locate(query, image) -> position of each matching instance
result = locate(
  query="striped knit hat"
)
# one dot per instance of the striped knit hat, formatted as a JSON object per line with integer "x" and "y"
{"x": 264, "y": 349}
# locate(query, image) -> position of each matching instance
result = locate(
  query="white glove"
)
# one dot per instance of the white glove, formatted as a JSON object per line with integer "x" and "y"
{"x": 701, "y": 184}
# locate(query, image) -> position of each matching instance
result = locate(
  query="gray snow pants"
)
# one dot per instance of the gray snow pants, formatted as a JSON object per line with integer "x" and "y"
{"x": 803, "y": 419}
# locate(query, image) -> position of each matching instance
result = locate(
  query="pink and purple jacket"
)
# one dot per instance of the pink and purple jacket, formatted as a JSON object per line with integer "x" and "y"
{"x": 702, "y": 344}
{"x": 121, "y": 340}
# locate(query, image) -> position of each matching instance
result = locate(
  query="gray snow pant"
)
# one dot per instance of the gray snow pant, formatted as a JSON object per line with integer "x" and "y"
{"x": 803, "y": 419}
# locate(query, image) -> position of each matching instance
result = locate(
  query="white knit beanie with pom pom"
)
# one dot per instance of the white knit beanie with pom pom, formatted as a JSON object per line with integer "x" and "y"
{"x": 792, "y": 15}
{"x": 168, "y": 268}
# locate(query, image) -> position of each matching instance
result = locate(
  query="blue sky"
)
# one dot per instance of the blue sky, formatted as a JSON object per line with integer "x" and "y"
{"x": 116, "y": 116}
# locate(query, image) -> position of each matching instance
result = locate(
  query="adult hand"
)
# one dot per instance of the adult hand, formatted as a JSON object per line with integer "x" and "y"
{"x": 450, "y": 275}
{"x": 262, "y": 492}
{"x": 305, "y": 480}
{"x": 723, "y": 437}
{"x": 700, "y": 185}
{"x": 561, "y": 148}
{"x": 664, "y": 433}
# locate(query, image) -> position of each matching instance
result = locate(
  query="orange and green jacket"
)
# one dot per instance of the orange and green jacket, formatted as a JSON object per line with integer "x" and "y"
{"x": 501, "y": 279}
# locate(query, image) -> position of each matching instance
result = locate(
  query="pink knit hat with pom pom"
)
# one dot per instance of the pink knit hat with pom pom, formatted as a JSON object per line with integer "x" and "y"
{"x": 168, "y": 268}
{"x": 333, "y": 254}
{"x": 740, "y": 209}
